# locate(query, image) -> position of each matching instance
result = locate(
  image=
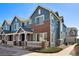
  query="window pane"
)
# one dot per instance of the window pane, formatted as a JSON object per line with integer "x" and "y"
{"x": 39, "y": 20}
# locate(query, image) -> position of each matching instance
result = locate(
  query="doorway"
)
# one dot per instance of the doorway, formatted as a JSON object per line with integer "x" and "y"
{"x": 22, "y": 37}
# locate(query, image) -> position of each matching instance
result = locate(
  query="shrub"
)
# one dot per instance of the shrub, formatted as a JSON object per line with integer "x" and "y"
{"x": 77, "y": 45}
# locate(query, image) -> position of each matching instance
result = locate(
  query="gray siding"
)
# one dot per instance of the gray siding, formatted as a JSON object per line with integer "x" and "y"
{"x": 43, "y": 12}
{"x": 14, "y": 22}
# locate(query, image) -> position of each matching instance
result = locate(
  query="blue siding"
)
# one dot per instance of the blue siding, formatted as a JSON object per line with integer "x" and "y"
{"x": 15, "y": 23}
{"x": 64, "y": 29}
{"x": 55, "y": 29}
{"x": 43, "y": 12}
{"x": 6, "y": 27}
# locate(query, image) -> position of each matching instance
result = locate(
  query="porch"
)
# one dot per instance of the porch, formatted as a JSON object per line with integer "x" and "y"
{"x": 27, "y": 39}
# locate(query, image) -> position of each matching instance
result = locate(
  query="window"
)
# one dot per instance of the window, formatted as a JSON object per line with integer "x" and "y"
{"x": 39, "y": 19}
{"x": 72, "y": 32}
{"x": 16, "y": 26}
{"x": 6, "y": 27}
{"x": 39, "y": 11}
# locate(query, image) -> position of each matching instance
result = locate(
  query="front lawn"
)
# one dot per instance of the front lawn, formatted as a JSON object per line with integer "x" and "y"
{"x": 47, "y": 50}
{"x": 50, "y": 50}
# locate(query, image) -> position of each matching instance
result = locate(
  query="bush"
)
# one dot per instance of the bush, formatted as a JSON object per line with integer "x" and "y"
{"x": 50, "y": 50}
{"x": 76, "y": 50}
{"x": 77, "y": 45}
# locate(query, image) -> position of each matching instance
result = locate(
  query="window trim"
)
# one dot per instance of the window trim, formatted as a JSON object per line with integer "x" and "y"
{"x": 38, "y": 17}
{"x": 39, "y": 11}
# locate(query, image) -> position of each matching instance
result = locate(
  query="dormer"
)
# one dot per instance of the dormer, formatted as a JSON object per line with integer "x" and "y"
{"x": 17, "y": 22}
{"x": 6, "y": 25}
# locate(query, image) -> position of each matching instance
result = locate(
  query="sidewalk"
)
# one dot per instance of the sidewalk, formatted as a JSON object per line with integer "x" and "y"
{"x": 65, "y": 52}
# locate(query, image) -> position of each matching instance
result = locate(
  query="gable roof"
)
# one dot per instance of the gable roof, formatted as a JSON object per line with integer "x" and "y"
{"x": 7, "y": 21}
{"x": 51, "y": 11}
{"x": 62, "y": 18}
{"x": 26, "y": 29}
{"x": 22, "y": 20}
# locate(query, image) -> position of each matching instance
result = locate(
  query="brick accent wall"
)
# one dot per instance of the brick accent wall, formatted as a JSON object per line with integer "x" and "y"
{"x": 45, "y": 27}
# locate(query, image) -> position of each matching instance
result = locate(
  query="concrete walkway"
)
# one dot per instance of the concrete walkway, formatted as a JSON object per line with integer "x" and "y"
{"x": 65, "y": 52}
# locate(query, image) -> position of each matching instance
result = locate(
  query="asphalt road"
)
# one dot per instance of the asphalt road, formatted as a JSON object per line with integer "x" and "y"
{"x": 12, "y": 51}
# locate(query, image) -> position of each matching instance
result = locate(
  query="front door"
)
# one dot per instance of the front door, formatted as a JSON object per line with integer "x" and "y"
{"x": 21, "y": 43}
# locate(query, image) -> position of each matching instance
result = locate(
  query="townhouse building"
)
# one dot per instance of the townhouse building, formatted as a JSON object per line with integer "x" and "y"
{"x": 44, "y": 28}
{"x": 71, "y": 35}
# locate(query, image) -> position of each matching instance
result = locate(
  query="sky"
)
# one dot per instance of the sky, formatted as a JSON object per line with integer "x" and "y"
{"x": 70, "y": 11}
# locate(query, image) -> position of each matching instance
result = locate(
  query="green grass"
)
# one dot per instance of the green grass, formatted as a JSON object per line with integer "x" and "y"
{"x": 50, "y": 50}
{"x": 46, "y": 50}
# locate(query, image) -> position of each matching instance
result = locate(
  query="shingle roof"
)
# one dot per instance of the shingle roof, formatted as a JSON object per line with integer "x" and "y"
{"x": 61, "y": 17}
{"x": 8, "y": 22}
{"x": 6, "y": 32}
{"x": 21, "y": 19}
{"x": 27, "y": 29}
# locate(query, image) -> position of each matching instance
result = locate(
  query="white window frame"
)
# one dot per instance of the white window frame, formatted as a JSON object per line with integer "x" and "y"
{"x": 38, "y": 17}
{"x": 39, "y": 11}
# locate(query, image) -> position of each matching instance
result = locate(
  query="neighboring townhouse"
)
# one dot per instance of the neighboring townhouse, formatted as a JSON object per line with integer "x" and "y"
{"x": 5, "y": 30}
{"x": 71, "y": 35}
{"x": 44, "y": 28}
{"x": 63, "y": 32}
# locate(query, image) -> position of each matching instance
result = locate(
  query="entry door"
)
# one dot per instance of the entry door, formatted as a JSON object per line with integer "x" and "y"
{"x": 22, "y": 37}
{"x": 38, "y": 37}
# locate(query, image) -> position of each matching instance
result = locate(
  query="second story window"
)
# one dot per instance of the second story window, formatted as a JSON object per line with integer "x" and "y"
{"x": 39, "y": 11}
{"x": 6, "y": 27}
{"x": 16, "y": 25}
{"x": 39, "y": 19}
{"x": 72, "y": 33}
